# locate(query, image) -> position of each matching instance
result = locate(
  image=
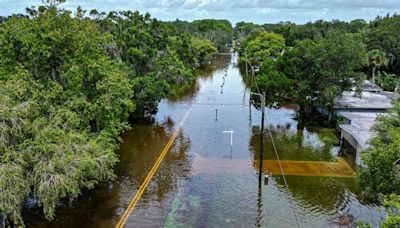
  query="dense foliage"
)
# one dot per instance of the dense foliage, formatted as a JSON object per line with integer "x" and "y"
{"x": 388, "y": 81}
{"x": 220, "y": 32}
{"x": 382, "y": 171}
{"x": 383, "y": 34}
{"x": 68, "y": 85}
{"x": 314, "y": 72}
{"x": 376, "y": 59}
{"x": 323, "y": 69}
{"x": 274, "y": 83}
{"x": 313, "y": 30}
{"x": 392, "y": 206}
{"x": 381, "y": 174}
{"x": 263, "y": 46}
{"x": 158, "y": 55}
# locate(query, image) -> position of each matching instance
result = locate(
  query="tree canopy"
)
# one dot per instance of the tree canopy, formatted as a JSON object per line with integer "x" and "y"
{"x": 64, "y": 104}
{"x": 220, "y": 32}
{"x": 382, "y": 34}
{"x": 376, "y": 60}
{"x": 314, "y": 72}
{"x": 262, "y": 46}
{"x": 69, "y": 85}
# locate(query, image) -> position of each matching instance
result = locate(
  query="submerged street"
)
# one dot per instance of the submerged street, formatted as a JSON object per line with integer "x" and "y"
{"x": 204, "y": 182}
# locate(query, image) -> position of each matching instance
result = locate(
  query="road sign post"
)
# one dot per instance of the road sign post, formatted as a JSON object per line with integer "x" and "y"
{"x": 230, "y": 132}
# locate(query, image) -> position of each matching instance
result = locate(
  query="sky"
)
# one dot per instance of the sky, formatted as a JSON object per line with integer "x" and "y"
{"x": 256, "y": 11}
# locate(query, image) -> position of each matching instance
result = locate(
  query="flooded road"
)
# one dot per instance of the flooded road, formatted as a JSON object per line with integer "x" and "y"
{"x": 204, "y": 182}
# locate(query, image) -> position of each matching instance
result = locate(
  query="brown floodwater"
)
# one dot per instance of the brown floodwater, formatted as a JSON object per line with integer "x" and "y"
{"x": 204, "y": 182}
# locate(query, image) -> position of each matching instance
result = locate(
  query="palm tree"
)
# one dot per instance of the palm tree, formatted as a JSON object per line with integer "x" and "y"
{"x": 377, "y": 59}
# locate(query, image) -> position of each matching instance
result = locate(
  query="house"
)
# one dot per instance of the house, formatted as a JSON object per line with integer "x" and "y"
{"x": 360, "y": 113}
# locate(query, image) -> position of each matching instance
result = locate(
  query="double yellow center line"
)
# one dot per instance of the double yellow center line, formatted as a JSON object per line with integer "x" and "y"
{"x": 153, "y": 170}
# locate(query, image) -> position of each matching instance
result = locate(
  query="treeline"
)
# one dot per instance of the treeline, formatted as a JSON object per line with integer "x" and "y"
{"x": 159, "y": 56}
{"x": 312, "y": 30}
{"x": 313, "y": 64}
{"x": 220, "y": 32}
{"x": 69, "y": 83}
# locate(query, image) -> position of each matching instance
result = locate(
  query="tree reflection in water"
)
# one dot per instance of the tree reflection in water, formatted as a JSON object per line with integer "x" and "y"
{"x": 336, "y": 196}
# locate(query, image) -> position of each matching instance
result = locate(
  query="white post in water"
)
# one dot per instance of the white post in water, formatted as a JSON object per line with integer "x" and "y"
{"x": 230, "y": 132}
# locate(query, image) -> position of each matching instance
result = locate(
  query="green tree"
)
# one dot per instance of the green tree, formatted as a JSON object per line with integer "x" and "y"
{"x": 323, "y": 69}
{"x": 203, "y": 50}
{"x": 382, "y": 34}
{"x": 265, "y": 45}
{"x": 357, "y": 25}
{"x": 388, "y": 81}
{"x": 392, "y": 206}
{"x": 155, "y": 53}
{"x": 273, "y": 82}
{"x": 17, "y": 110}
{"x": 63, "y": 105}
{"x": 293, "y": 33}
{"x": 243, "y": 29}
{"x": 220, "y": 32}
{"x": 377, "y": 59}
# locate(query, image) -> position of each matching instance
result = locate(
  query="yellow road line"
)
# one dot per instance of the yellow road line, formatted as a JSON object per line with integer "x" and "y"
{"x": 138, "y": 195}
{"x": 308, "y": 168}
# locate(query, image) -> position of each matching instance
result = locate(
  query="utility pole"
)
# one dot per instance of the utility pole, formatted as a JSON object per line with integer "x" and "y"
{"x": 259, "y": 207}
{"x": 250, "y": 120}
{"x": 263, "y": 103}
{"x": 262, "y": 137}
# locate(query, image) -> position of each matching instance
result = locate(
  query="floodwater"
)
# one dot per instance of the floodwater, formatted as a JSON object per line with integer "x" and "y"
{"x": 204, "y": 182}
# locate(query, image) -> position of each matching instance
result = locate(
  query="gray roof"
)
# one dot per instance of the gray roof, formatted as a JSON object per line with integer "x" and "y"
{"x": 368, "y": 100}
{"x": 371, "y": 87}
{"x": 360, "y": 126}
{"x": 362, "y": 137}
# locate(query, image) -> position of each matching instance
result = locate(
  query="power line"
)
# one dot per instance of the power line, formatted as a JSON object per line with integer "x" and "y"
{"x": 274, "y": 146}
{"x": 284, "y": 178}
{"x": 276, "y": 152}
{"x": 190, "y": 103}
{"x": 252, "y": 72}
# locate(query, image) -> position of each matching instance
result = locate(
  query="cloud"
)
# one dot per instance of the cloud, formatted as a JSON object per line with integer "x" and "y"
{"x": 258, "y": 11}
